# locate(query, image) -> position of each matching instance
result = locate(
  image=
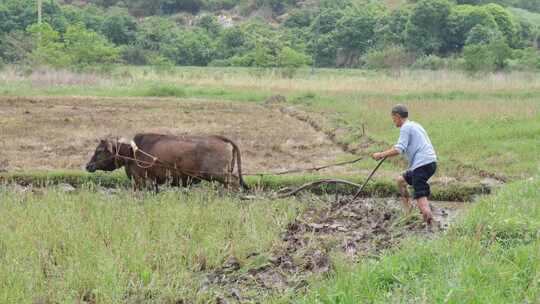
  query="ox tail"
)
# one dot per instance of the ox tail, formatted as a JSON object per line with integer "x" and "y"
{"x": 236, "y": 155}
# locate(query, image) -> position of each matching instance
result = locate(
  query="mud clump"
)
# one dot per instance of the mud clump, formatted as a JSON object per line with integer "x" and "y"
{"x": 353, "y": 231}
{"x": 275, "y": 99}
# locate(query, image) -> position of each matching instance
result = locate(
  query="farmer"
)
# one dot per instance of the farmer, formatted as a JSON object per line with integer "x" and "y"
{"x": 415, "y": 143}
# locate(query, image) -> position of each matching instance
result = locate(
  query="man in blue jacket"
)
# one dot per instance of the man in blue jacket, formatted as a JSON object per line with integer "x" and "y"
{"x": 415, "y": 143}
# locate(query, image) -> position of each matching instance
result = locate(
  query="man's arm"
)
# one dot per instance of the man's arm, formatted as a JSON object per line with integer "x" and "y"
{"x": 399, "y": 148}
{"x": 388, "y": 153}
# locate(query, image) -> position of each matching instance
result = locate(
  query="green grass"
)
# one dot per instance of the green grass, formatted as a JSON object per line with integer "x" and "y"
{"x": 137, "y": 89}
{"x": 58, "y": 247}
{"x": 378, "y": 187}
{"x": 496, "y": 133}
{"x": 491, "y": 255}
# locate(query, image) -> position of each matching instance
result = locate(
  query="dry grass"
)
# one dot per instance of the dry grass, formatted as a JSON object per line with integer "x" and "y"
{"x": 55, "y": 133}
{"x": 48, "y": 77}
{"x": 355, "y": 82}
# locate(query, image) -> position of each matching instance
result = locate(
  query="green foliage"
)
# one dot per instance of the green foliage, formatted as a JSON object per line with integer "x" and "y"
{"x": 155, "y": 32}
{"x": 394, "y": 30}
{"x": 86, "y": 48}
{"x": 463, "y": 19}
{"x": 334, "y": 33}
{"x": 481, "y": 34}
{"x": 90, "y": 15}
{"x": 189, "y": 47}
{"x": 430, "y": 62}
{"x": 478, "y": 57}
{"x": 160, "y": 64}
{"x": 392, "y": 57}
{"x": 427, "y": 28}
{"x": 299, "y": 18}
{"x": 485, "y": 57}
{"x": 80, "y": 48}
{"x": 505, "y": 22}
{"x": 119, "y": 26}
{"x": 165, "y": 90}
{"x": 526, "y": 60}
{"x": 49, "y": 49}
{"x": 290, "y": 60}
{"x": 134, "y": 54}
{"x": 210, "y": 24}
{"x": 531, "y": 5}
{"x": 356, "y": 29}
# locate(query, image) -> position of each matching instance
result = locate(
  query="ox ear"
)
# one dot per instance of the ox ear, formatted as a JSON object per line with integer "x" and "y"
{"x": 110, "y": 147}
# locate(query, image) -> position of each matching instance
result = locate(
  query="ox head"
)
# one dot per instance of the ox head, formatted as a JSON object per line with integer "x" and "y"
{"x": 103, "y": 158}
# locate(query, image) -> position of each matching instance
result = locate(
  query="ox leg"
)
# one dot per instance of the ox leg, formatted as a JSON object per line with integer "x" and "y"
{"x": 136, "y": 184}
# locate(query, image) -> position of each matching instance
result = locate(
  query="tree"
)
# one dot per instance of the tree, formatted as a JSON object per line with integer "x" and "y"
{"x": 494, "y": 55}
{"x": 190, "y": 47}
{"x": 154, "y": 32}
{"x": 505, "y": 22}
{"x": 290, "y": 60}
{"x": 394, "y": 30}
{"x": 49, "y": 50}
{"x": 323, "y": 43}
{"x": 355, "y": 31}
{"x": 119, "y": 27}
{"x": 231, "y": 42}
{"x": 462, "y": 20}
{"x": 298, "y": 18}
{"x": 478, "y": 57}
{"x": 210, "y": 24}
{"x": 482, "y": 34}
{"x": 426, "y": 30}
{"x": 174, "y": 6}
{"x": 86, "y": 48}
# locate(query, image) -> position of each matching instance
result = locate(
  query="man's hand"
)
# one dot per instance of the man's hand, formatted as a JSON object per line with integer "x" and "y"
{"x": 377, "y": 155}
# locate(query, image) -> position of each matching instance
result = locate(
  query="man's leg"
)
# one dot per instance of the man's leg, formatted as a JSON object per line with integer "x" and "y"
{"x": 422, "y": 190}
{"x": 423, "y": 205}
{"x": 405, "y": 197}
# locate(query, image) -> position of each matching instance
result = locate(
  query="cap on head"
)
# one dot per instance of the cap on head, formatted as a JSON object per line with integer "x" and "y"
{"x": 400, "y": 110}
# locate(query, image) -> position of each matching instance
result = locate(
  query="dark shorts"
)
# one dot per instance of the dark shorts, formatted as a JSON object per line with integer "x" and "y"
{"x": 418, "y": 179}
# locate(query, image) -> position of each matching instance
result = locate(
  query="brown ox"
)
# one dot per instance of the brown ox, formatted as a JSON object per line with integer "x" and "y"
{"x": 155, "y": 159}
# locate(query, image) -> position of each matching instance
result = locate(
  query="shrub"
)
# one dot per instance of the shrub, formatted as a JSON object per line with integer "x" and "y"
{"x": 494, "y": 55}
{"x": 526, "y": 59}
{"x": 430, "y": 62}
{"x": 164, "y": 90}
{"x": 478, "y": 58}
{"x": 161, "y": 63}
{"x": 134, "y": 54}
{"x": 220, "y": 63}
{"x": 290, "y": 60}
{"x": 392, "y": 57}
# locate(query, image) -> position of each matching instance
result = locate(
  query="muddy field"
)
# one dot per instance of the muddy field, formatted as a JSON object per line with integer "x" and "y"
{"x": 327, "y": 229}
{"x": 62, "y": 132}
